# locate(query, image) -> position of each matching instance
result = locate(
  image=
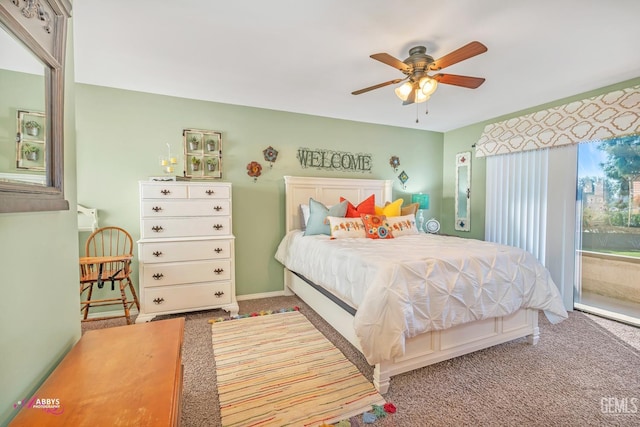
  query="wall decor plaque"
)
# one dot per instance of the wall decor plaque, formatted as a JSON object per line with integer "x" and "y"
{"x": 202, "y": 153}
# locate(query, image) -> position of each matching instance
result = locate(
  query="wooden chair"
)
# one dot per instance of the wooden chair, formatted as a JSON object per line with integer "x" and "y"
{"x": 108, "y": 255}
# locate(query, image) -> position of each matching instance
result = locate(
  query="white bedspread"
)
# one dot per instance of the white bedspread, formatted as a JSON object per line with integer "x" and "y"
{"x": 417, "y": 283}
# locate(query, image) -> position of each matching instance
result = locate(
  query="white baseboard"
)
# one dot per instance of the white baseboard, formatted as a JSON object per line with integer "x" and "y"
{"x": 239, "y": 298}
{"x": 110, "y": 313}
{"x": 260, "y": 295}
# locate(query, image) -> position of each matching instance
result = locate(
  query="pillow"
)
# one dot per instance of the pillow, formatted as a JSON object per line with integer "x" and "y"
{"x": 367, "y": 206}
{"x": 403, "y": 225}
{"x": 318, "y": 213}
{"x": 409, "y": 209}
{"x": 304, "y": 210}
{"x": 376, "y": 227}
{"x": 390, "y": 209}
{"x": 342, "y": 228}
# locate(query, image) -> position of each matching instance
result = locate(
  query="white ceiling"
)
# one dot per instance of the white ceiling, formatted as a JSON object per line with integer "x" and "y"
{"x": 307, "y": 56}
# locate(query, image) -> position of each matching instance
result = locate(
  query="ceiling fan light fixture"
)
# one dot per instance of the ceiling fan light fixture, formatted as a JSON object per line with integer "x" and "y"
{"x": 428, "y": 85}
{"x": 404, "y": 90}
{"x": 421, "y": 97}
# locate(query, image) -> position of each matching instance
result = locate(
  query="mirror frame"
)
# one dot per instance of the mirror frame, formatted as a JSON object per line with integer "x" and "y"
{"x": 463, "y": 160}
{"x": 41, "y": 26}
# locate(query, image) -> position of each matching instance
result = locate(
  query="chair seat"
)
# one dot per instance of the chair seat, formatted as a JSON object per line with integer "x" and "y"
{"x": 107, "y": 276}
{"x": 108, "y": 259}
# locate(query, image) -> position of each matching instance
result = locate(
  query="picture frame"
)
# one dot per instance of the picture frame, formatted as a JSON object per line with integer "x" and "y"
{"x": 31, "y": 144}
{"x": 202, "y": 154}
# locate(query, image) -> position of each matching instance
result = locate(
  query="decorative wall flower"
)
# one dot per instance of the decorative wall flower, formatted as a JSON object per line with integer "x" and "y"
{"x": 394, "y": 161}
{"x": 254, "y": 169}
{"x": 270, "y": 155}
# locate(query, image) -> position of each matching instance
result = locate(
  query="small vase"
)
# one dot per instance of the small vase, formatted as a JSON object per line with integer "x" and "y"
{"x": 32, "y": 156}
{"x": 33, "y": 131}
{"x": 193, "y": 146}
{"x": 211, "y": 146}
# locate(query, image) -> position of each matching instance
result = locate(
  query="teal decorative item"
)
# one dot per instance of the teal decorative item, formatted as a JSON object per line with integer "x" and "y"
{"x": 422, "y": 199}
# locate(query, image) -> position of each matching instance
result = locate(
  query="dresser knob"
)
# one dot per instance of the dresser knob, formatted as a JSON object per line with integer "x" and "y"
{"x": 219, "y": 294}
{"x": 210, "y": 192}
{"x": 158, "y": 300}
{"x": 156, "y": 208}
{"x": 165, "y": 192}
{"x": 218, "y": 270}
{"x": 218, "y": 226}
{"x": 157, "y": 228}
{"x": 158, "y": 276}
{"x": 218, "y": 250}
{"x": 217, "y": 208}
{"x": 157, "y": 253}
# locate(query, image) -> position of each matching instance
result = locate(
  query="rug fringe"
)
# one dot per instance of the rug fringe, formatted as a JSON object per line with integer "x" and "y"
{"x": 254, "y": 314}
{"x": 377, "y": 412}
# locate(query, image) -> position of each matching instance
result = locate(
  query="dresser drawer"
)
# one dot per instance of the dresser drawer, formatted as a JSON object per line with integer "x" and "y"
{"x": 185, "y": 251}
{"x": 209, "y": 192}
{"x": 185, "y": 227}
{"x": 154, "y": 190}
{"x": 166, "y": 208}
{"x": 183, "y": 297}
{"x": 171, "y": 273}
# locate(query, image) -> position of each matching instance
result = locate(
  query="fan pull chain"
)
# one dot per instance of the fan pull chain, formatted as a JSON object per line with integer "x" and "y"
{"x": 417, "y": 121}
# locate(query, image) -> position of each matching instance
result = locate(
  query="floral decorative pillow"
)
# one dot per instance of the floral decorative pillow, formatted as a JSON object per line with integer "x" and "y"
{"x": 403, "y": 225}
{"x": 390, "y": 209}
{"x": 367, "y": 206}
{"x": 318, "y": 213}
{"x": 342, "y": 228}
{"x": 376, "y": 227}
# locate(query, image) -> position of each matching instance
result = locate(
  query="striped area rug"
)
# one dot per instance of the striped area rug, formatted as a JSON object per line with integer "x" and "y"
{"x": 279, "y": 370}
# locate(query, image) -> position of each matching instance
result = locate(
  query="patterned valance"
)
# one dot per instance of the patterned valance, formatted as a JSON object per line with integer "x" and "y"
{"x": 613, "y": 114}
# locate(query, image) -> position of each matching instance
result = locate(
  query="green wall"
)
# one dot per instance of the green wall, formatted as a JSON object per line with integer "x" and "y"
{"x": 121, "y": 135}
{"x": 40, "y": 303}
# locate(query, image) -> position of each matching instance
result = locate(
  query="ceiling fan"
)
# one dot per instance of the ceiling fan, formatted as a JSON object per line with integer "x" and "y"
{"x": 419, "y": 84}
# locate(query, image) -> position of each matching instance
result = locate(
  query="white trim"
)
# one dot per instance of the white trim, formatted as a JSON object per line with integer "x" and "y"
{"x": 607, "y": 314}
{"x": 260, "y": 295}
{"x": 110, "y": 313}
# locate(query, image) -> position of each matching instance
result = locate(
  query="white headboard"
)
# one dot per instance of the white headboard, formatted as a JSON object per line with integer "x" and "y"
{"x": 328, "y": 191}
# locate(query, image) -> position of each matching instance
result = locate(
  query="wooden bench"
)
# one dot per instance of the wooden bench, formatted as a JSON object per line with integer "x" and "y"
{"x": 128, "y": 375}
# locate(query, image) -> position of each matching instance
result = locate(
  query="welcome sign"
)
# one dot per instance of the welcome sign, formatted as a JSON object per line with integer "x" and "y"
{"x": 334, "y": 160}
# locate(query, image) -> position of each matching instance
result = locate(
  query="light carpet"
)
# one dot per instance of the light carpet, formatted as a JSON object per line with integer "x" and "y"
{"x": 280, "y": 370}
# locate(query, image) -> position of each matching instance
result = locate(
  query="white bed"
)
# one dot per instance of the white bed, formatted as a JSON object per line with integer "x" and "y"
{"x": 405, "y": 351}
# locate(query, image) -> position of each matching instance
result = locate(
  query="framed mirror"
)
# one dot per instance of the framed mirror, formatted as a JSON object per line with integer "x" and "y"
{"x": 463, "y": 191}
{"x": 32, "y": 52}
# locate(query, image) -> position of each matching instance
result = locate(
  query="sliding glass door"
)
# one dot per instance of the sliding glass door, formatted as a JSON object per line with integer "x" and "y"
{"x": 608, "y": 229}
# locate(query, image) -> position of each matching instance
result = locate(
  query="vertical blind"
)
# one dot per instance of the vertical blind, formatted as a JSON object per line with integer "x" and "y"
{"x": 531, "y": 205}
{"x": 516, "y": 207}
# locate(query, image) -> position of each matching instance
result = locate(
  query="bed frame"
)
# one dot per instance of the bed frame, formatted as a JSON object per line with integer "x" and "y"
{"x": 422, "y": 350}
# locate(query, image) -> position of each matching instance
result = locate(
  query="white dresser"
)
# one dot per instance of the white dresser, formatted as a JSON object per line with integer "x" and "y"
{"x": 186, "y": 248}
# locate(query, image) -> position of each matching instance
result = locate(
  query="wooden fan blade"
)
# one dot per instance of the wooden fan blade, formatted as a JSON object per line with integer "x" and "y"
{"x": 464, "y": 81}
{"x": 390, "y": 60}
{"x": 465, "y": 52}
{"x": 367, "y": 89}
